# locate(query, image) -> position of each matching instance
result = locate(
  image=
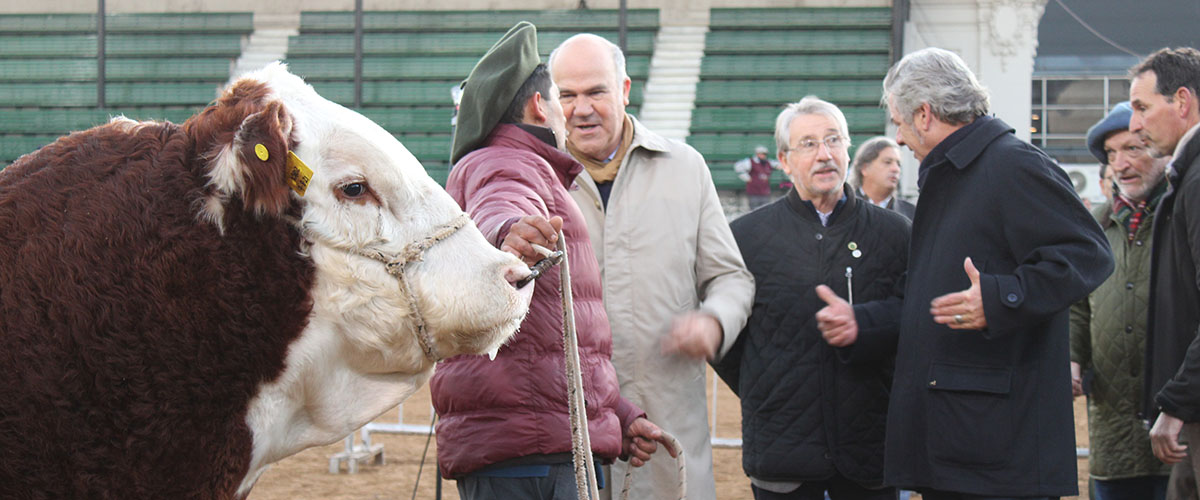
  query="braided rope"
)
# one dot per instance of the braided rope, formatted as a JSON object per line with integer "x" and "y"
{"x": 581, "y": 444}
{"x": 581, "y": 441}
{"x": 679, "y": 460}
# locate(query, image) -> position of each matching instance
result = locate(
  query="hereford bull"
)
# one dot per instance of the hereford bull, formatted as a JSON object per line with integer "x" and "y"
{"x": 174, "y": 317}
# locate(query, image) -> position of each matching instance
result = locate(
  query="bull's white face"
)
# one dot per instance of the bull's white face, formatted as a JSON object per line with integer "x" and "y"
{"x": 360, "y": 354}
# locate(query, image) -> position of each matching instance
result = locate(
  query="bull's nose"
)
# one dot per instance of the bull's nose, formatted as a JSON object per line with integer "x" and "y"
{"x": 515, "y": 274}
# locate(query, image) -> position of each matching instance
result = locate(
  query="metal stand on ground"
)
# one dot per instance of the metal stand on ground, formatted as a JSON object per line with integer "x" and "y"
{"x": 355, "y": 454}
{"x": 372, "y": 453}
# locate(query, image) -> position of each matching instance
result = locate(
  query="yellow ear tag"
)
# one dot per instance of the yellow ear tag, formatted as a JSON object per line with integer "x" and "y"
{"x": 261, "y": 151}
{"x": 298, "y": 174}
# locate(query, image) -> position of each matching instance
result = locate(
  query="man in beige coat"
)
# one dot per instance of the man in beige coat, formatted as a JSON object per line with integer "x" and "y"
{"x": 675, "y": 288}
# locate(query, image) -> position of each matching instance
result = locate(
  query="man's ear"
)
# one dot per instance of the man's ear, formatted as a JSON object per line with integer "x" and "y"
{"x": 1187, "y": 102}
{"x": 536, "y": 112}
{"x": 625, "y": 86}
{"x": 923, "y": 118}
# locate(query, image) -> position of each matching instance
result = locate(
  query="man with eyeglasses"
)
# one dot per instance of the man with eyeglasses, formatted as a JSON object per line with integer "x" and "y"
{"x": 811, "y": 423}
{"x": 1108, "y": 328}
{"x": 1001, "y": 248}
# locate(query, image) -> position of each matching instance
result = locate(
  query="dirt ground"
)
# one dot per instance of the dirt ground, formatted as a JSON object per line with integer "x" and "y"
{"x": 305, "y": 475}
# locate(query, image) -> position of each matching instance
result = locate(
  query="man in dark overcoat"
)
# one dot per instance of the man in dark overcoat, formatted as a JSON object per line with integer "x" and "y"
{"x": 1001, "y": 247}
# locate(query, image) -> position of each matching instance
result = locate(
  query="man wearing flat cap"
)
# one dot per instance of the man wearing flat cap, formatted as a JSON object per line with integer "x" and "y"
{"x": 504, "y": 430}
{"x": 1108, "y": 328}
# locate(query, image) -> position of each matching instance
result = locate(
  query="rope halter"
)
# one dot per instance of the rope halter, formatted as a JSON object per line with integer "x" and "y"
{"x": 397, "y": 263}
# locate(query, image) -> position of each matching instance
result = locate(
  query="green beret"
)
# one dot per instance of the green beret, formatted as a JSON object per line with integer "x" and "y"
{"x": 491, "y": 86}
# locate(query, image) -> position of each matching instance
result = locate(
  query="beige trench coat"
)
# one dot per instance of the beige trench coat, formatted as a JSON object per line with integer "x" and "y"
{"x": 665, "y": 248}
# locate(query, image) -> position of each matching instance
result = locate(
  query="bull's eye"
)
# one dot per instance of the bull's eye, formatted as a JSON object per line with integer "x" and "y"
{"x": 354, "y": 189}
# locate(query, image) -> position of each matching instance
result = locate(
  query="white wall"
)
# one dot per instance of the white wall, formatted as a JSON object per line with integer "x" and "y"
{"x": 996, "y": 38}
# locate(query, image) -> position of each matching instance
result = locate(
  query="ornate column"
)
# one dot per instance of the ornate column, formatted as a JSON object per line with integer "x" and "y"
{"x": 997, "y": 39}
{"x": 1007, "y": 47}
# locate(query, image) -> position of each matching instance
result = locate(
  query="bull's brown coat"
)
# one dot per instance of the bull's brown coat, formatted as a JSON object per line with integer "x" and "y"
{"x": 101, "y": 249}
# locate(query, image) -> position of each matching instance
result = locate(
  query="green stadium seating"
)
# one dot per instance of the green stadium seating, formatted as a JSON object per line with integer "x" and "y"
{"x": 794, "y": 41}
{"x": 64, "y": 120}
{"x": 393, "y": 93}
{"x": 409, "y": 92}
{"x": 412, "y": 67}
{"x": 762, "y": 119}
{"x": 759, "y": 59}
{"x": 200, "y": 22}
{"x": 45, "y": 46}
{"x": 800, "y": 18}
{"x": 482, "y": 20}
{"x": 432, "y": 148}
{"x": 13, "y": 146}
{"x": 47, "y": 94}
{"x": 45, "y": 70}
{"x": 47, "y": 23}
{"x": 214, "y": 70}
{"x": 839, "y": 66}
{"x": 408, "y": 120}
{"x": 117, "y": 94}
{"x": 472, "y": 44}
{"x": 228, "y": 46}
{"x": 170, "y": 23}
{"x": 780, "y": 92}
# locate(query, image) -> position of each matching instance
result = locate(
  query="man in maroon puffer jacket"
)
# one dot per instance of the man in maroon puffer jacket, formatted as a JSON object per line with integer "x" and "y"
{"x": 504, "y": 429}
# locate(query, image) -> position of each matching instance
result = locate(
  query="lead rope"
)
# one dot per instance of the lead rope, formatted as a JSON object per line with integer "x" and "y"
{"x": 581, "y": 441}
{"x": 679, "y": 460}
{"x": 581, "y": 444}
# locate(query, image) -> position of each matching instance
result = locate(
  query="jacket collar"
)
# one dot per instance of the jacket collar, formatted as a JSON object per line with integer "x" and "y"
{"x": 962, "y": 147}
{"x": 1185, "y": 152}
{"x": 646, "y": 138}
{"x": 535, "y": 139}
{"x": 806, "y": 210}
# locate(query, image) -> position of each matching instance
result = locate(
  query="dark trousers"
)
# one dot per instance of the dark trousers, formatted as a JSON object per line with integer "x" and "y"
{"x": 950, "y": 495}
{"x": 1134, "y": 488}
{"x": 1183, "y": 474}
{"x": 839, "y": 488}
{"x": 558, "y": 484}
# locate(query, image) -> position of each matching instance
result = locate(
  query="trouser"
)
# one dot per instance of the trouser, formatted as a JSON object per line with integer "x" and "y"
{"x": 549, "y": 482}
{"x": 950, "y": 495}
{"x": 1132, "y": 488}
{"x": 1182, "y": 485}
{"x": 838, "y": 486}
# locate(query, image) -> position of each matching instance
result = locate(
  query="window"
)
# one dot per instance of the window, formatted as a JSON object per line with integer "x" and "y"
{"x": 1065, "y": 107}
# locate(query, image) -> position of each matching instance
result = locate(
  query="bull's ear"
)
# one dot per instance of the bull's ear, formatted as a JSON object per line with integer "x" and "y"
{"x": 254, "y": 166}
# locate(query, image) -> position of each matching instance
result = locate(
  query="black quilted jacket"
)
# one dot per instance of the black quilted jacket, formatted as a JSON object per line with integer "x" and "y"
{"x": 805, "y": 413}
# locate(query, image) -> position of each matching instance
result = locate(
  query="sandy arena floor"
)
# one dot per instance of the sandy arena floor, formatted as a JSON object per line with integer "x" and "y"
{"x": 305, "y": 476}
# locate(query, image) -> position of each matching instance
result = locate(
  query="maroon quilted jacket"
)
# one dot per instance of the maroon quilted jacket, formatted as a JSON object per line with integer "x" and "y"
{"x": 515, "y": 406}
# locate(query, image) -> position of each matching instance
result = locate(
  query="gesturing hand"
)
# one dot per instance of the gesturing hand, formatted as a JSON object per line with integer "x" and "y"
{"x": 694, "y": 334}
{"x": 531, "y": 230}
{"x": 836, "y": 320}
{"x": 961, "y": 310}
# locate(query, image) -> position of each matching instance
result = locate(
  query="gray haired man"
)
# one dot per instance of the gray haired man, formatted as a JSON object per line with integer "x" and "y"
{"x": 1002, "y": 246}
